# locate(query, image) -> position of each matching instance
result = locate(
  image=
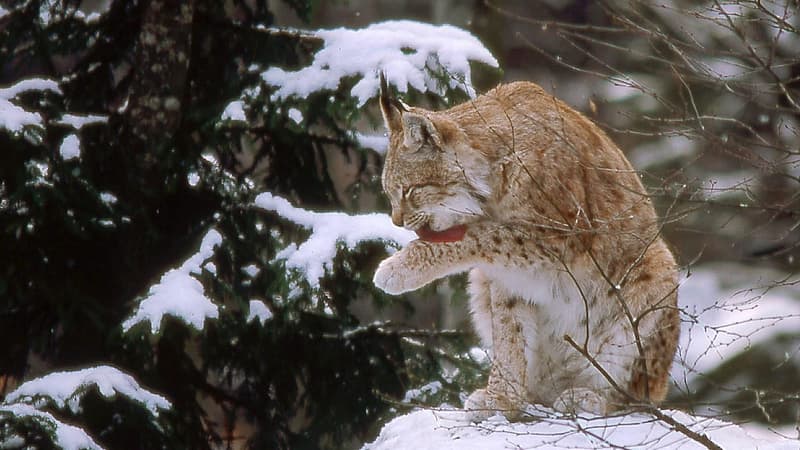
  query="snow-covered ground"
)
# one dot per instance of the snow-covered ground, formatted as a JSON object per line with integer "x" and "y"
{"x": 450, "y": 430}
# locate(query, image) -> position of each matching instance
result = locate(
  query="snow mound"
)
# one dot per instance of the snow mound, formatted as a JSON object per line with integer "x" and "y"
{"x": 67, "y": 389}
{"x": 450, "y": 430}
{"x": 407, "y": 51}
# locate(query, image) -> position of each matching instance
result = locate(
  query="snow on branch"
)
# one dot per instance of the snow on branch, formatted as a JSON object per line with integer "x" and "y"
{"x": 67, "y": 437}
{"x": 15, "y": 118}
{"x": 68, "y": 388}
{"x": 78, "y": 121}
{"x": 315, "y": 256}
{"x": 408, "y": 52}
{"x": 179, "y": 294}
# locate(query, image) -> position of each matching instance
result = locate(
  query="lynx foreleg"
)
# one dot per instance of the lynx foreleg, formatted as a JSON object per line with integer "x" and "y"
{"x": 506, "y": 391}
{"x": 421, "y": 262}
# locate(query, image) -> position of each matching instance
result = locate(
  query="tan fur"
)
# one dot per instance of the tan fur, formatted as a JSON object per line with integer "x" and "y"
{"x": 562, "y": 241}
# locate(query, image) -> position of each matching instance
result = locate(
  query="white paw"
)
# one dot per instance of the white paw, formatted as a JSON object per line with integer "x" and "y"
{"x": 580, "y": 400}
{"x": 481, "y": 405}
{"x": 477, "y": 406}
{"x": 394, "y": 278}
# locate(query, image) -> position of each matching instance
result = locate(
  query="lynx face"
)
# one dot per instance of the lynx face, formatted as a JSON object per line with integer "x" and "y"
{"x": 426, "y": 172}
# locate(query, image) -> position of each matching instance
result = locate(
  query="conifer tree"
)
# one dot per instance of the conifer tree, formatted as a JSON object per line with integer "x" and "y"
{"x": 135, "y": 134}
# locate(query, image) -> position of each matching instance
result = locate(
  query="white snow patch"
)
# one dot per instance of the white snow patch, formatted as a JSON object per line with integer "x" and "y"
{"x": 259, "y": 311}
{"x": 251, "y": 270}
{"x": 88, "y": 14}
{"x": 479, "y": 355}
{"x": 179, "y": 294}
{"x": 667, "y": 150}
{"x": 13, "y": 117}
{"x": 234, "y": 111}
{"x": 315, "y": 256}
{"x": 68, "y": 437}
{"x": 296, "y": 115}
{"x": 377, "y": 142}
{"x": 70, "y": 147}
{"x": 108, "y": 198}
{"x": 720, "y": 321}
{"x": 78, "y": 121}
{"x": 716, "y": 185}
{"x": 450, "y": 430}
{"x": 429, "y": 389}
{"x": 193, "y": 179}
{"x": 407, "y": 51}
{"x": 67, "y": 389}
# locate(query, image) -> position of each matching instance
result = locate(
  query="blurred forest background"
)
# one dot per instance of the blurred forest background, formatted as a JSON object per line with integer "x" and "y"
{"x": 703, "y": 97}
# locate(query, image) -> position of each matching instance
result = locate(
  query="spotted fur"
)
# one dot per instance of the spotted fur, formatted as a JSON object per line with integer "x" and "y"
{"x": 562, "y": 243}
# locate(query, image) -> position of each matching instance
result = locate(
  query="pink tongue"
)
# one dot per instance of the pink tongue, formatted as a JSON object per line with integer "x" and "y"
{"x": 451, "y": 234}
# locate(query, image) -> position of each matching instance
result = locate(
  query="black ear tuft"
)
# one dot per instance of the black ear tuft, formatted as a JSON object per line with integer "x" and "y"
{"x": 391, "y": 108}
{"x": 386, "y": 99}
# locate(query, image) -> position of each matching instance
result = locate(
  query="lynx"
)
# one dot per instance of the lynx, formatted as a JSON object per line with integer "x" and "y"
{"x": 572, "y": 289}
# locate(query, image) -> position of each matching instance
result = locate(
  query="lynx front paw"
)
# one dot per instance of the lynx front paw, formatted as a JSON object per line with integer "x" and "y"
{"x": 482, "y": 404}
{"x": 393, "y": 277}
{"x": 580, "y": 400}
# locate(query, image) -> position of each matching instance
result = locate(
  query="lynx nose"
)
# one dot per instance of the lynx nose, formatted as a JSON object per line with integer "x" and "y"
{"x": 397, "y": 218}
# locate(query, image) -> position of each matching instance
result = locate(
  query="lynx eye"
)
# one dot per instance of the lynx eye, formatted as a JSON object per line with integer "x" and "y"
{"x": 408, "y": 192}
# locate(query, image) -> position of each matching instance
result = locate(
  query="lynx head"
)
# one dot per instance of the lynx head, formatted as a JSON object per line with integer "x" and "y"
{"x": 432, "y": 176}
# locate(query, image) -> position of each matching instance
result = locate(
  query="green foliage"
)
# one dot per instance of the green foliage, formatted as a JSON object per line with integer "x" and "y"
{"x": 83, "y": 239}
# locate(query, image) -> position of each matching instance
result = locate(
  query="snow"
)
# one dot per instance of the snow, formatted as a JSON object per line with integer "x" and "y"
{"x": 407, "y": 51}
{"x": 67, "y": 437}
{"x": 70, "y": 147}
{"x": 377, "y": 142}
{"x": 68, "y": 388}
{"x": 448, "y": 429}
{"x": 258, "y": 311}
{"x": 108, "y": 198}
{"x": 429, "y": 389}
{"x": 15, "y": 118}
{"x": 179, "y": 294}
{"x": 479, "y": 355}
{"x": 234, "y": 111}
{"x": 296, "y": 115}
{"x": 717, "y": 185}
{"x": 251, "y": 270}
{"x": 78, "y": 121}
{"x": 660, "y": 152}
{"x": 315, "y": 256}
{"x": 193, "y": 178}
{"x": 88, "y": 15}
{"x": 725, "y": 309}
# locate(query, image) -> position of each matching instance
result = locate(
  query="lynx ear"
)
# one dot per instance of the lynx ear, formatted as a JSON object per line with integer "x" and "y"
{"x": 419, "y": 130}
{"x": 391, "y": 108}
